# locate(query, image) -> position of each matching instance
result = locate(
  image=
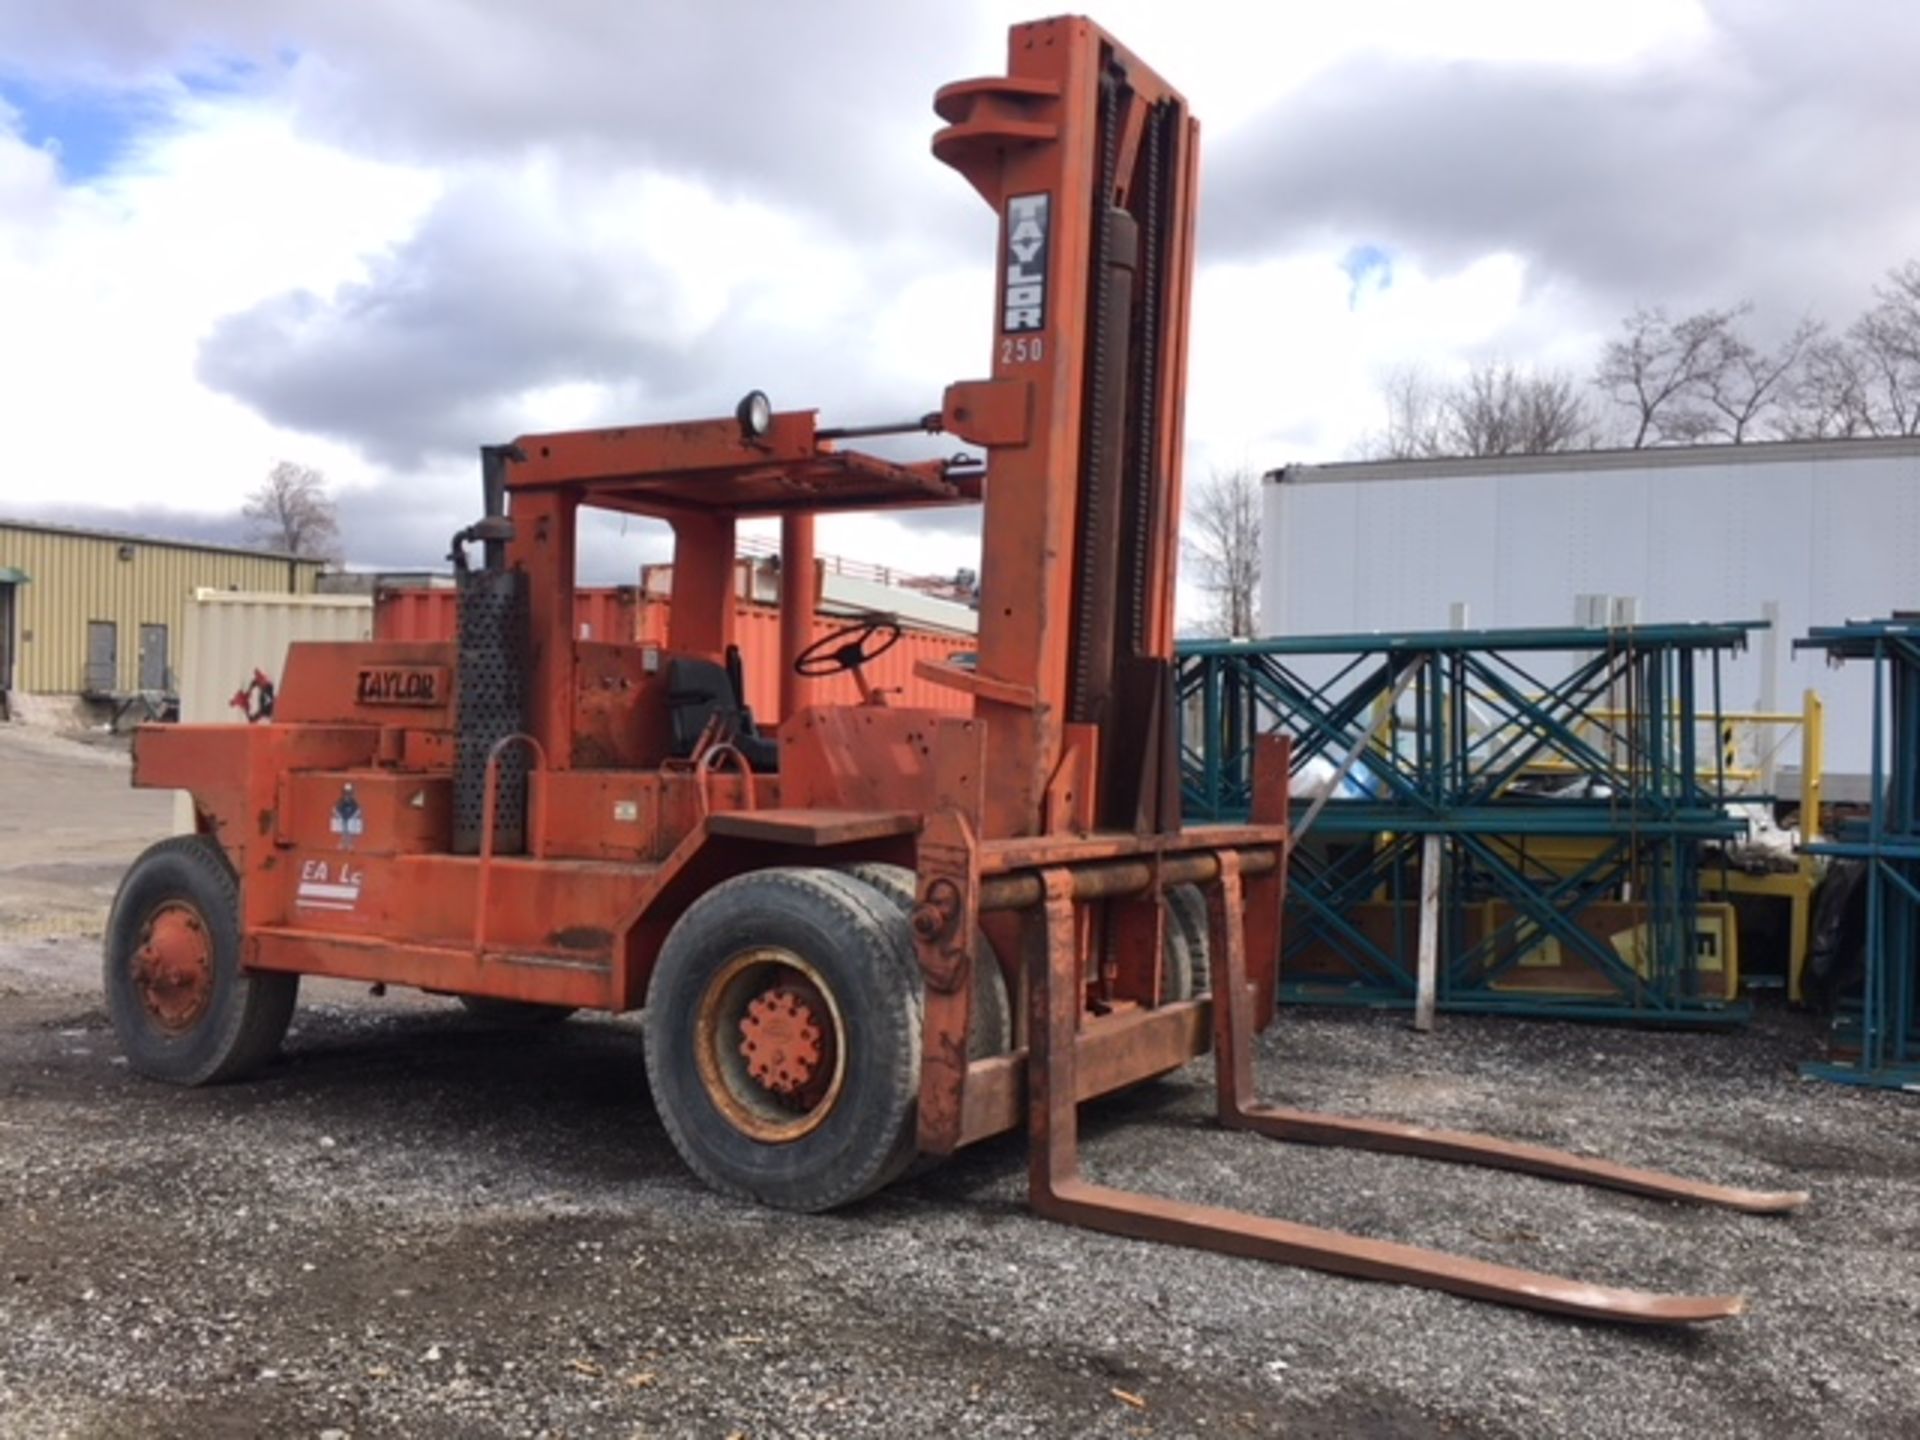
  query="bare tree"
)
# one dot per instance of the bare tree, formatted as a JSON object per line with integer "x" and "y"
{"x": 1478, "y": 413}
{"x": 1662, "y": 372}
{"x": 292, "y": 512}
{"x": 1679, "y": 381}
{"x": 1750, "y": 383}
{"x": 1496, "y": 409}
{"x": 1887, "y": 339}
{"x": 1554, "y": 415}
{"x": 1415, "y": 407}
{"x": 1867, "y": 381}
{"x": 1222, "y": 543}
{"x": 1829, "y": 398}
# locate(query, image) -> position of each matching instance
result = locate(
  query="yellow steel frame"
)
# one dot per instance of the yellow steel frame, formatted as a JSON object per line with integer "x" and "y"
{"x": 1795, "y": 886}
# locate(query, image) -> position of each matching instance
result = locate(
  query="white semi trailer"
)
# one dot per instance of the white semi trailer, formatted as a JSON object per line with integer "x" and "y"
{"x": 1797, "y": 532}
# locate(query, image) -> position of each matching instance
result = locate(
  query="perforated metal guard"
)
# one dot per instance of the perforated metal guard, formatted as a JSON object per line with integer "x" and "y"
{"x": 491, "y": 705}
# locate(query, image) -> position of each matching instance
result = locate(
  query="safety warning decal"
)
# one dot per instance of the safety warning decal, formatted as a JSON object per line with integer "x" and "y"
{"x": 348, "y": 820}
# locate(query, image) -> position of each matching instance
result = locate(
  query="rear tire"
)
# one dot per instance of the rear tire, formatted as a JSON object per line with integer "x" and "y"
{"x": 1187, "y": 914}
{"x": 523, "y": 1014}
{"x": 1176, "y": 959}
{"x": 1184, "y": 952}
{"x": 182, "y": 1007}
{"x": 990, "y": 1025}
{"x": 816, "y": 964}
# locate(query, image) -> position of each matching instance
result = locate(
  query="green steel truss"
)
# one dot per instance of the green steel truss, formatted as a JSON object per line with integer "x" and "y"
{"x": 1877, "y": 1033}
{"x": 1567, "y": 772}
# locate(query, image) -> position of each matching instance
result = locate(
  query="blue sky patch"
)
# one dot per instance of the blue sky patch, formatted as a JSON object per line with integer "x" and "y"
{"x": 1368, "y": 267}
{"x": 90, "y": 129}
{"x": 87, "y": 131}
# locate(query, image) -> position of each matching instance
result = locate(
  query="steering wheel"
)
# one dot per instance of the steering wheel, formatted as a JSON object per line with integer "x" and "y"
{"x": 846, "y": 648}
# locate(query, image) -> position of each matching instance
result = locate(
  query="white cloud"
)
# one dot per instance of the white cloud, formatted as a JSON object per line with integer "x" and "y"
{"x": 29, "y": 181}
{"x": 679, "y": 218}
{"x": 1288, "y": 360}
{"x": 106, "y": 289}
{"x": 1235, "y": 60}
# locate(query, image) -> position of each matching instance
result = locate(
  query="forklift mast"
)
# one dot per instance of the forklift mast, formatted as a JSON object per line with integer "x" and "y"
{"x": 1088, "y": 157}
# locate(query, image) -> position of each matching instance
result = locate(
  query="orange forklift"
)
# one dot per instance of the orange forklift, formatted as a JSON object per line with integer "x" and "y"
{"x": 865, "y": 933}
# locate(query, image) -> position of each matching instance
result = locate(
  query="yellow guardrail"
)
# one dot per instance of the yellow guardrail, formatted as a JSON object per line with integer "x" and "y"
{"x": 1743, "y": 755}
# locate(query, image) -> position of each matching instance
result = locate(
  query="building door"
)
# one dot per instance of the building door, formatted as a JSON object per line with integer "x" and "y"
{"x": 153, "y": 658}
{"x": 103, "y": 657}
{"x": 6, "y": 636}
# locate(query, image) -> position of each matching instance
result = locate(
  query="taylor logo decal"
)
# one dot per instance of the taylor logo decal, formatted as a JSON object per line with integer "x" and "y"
{"x": 401, "y": 685}
{"x": 1023, "y": 304}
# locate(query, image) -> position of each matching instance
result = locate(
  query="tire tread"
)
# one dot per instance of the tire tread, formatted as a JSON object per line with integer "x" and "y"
{"x": 253, "y": 1016}
{"x": 866, "y": 922}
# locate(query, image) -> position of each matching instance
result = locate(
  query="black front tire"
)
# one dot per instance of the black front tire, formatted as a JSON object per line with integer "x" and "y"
{"x": 848, "y": 935}
{"x": 245, "y": 1013}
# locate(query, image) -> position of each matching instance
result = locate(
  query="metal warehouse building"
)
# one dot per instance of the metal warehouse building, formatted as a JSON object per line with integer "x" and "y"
{"x": 1800, "y": 533}
{"x": 99, "y": 614}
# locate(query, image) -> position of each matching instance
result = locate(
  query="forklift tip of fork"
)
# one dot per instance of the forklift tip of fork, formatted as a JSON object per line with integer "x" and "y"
{"x": 1466, "y": 1148}
{"x": 1150, "y": 1217}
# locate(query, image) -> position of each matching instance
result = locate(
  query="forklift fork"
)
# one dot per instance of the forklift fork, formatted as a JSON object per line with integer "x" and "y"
{"x": 1059, "y": 1192}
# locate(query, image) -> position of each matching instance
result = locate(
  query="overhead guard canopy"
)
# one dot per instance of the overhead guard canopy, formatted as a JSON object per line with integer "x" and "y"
{"x": 711, "y": 467}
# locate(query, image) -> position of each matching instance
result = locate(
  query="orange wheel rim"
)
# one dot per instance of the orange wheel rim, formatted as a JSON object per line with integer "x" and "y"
{"x": 769, "y": 1045}
{"x": 173, "y": 967}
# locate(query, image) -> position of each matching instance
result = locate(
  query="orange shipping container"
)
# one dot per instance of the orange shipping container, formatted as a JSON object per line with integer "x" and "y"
{"x": 601, "y": 613}
{"x": 623, "y": 614}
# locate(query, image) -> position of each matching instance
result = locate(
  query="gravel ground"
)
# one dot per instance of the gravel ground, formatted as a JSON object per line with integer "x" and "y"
{"x": 417, "y": 1226}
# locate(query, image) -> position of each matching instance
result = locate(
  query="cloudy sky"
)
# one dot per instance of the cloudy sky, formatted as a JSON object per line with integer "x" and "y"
{"x": 370, "y": 237}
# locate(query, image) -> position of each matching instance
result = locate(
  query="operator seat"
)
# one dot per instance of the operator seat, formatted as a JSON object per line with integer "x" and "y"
{"x": 697, "y": 691}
